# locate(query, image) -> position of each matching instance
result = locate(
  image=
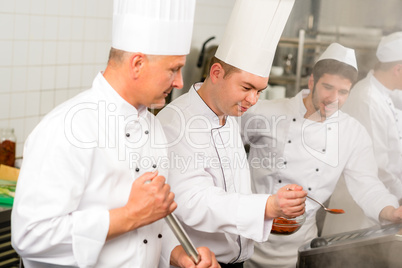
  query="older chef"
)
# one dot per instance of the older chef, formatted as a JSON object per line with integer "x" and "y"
{"x": 82, "y": 199}
{"x": 308, "y": 141}
{"x": 210, "y": 176}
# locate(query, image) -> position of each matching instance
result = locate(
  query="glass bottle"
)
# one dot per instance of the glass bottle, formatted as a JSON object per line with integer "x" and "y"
{"x": 7, "y": 146}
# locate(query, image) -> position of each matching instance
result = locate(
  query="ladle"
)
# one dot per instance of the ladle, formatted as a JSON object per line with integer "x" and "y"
{"x": 330, "y": 210}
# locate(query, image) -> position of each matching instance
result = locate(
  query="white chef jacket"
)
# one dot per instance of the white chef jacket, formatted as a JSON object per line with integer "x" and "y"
{"x": 80, "y": 162}
{"x": 370, "y": 103}
{"x": 210, "y": 177}
{"x": 287, "y": 148}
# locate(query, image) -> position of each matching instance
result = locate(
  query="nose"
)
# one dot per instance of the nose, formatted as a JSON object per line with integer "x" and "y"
{"x": 178, "y": 80}
{"x": 252, "y": 97}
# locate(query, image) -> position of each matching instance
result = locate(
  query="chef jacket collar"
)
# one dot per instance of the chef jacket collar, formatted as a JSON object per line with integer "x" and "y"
{"x": 201, "y": 108}
{"x": 112, "y": 97}
{"x": 384, "y": 90}
{"x": 302, "y": 110}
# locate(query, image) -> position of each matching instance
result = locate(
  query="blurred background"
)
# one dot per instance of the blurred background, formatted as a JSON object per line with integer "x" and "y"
{"x": 50, "y": 50}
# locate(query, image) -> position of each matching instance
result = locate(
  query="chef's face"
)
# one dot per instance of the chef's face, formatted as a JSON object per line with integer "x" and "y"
{"x": 237, "y": 92}
{"x": 161, "y": 75}
{"x": 329, "y": 93}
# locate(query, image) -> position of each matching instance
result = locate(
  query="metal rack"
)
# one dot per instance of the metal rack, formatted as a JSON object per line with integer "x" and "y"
{"x": 8, "y": 257}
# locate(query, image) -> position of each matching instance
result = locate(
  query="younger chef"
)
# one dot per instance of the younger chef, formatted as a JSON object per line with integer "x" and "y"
{"x": 372, "y": 102}
{"x": 211, "y": 177}
{"x": 82, "y": 198}
{"x": 308, "y": 141}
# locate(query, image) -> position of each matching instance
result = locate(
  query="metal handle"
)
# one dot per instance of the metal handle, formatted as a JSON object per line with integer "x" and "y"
{"x": 183, "y": 238}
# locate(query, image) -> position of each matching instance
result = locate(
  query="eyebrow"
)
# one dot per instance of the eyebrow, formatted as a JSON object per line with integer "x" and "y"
{"x": 252, "y": 86}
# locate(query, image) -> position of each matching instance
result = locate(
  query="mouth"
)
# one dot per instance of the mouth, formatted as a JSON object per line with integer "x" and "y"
{"x": 243, "y": 109}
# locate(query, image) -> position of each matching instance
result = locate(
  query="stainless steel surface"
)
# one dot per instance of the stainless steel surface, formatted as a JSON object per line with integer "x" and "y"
{"x": 183, "y": 238}
{"x": 369, "y": 248}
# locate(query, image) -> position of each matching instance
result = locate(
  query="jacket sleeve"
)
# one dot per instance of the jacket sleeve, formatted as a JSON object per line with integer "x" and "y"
{"x": 47, "y": 224}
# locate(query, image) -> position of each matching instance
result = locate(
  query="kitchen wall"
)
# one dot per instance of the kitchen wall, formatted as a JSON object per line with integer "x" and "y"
{"x": 50, "y": 50}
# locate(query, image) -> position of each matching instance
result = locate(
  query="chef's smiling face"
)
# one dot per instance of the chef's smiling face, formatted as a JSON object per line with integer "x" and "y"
{"x": 237, "y": 92}
{"x": 328, "y": 94}
{"x": 160, "y": 76}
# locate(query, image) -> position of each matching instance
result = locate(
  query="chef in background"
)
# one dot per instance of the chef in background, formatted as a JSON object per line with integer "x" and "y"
{"x": 83, "y": 197}
{"x": 370, "y": 102}
{"x": 376, "y": 102}
{"x": 308, "y": 141}
{"x": 212, "y": 179}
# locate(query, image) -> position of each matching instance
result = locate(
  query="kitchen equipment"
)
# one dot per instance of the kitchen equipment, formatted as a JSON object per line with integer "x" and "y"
{"x": 183, "y": 238}
{"x": 369, "y": 248}
{"x": 277, "y": 70}
{"x": 330, "y": 210}
{"x": 285, "y": 226}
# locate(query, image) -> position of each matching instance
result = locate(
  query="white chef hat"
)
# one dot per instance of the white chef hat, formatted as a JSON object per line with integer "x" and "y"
{"x": 390, "y": 48}
{"x": 253, "y": 33}
{"x": 340, "y": 53}
{"x": 155, "y": 27}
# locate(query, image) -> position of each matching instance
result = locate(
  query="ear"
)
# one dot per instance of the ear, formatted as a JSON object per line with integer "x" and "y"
{"x": 137, "y": 62}
{"x": 397, "y": 70}
{"x": 216, "y": 72}
{"x": 311, "y": 82}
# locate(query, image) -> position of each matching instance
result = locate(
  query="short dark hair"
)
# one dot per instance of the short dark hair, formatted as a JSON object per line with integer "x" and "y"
{"x": 229, "y": 69}
{"x": 117, "y": 55}
{"x": 330, "y": 66}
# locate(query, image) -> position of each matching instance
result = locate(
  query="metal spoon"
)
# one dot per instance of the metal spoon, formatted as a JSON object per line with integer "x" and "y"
{"x": 330, "y": 210}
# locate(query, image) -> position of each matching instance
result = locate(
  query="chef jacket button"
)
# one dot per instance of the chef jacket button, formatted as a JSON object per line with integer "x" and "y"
{"x": 146, "y": 132}
{"x": 294, "y": 119}
{"x": 285, "y": 163}
{"x": 280, "y": 181}
{"x": 329, "y": 128}
{"x": 145, "y": 241}
{"x": 159, "y": 236}
{"x": 309, "y": 188}
{"x": 154, "y": 165}
{"x": 317, "y": 169}
{"x": 137, "y": 169}
{"x": 323, "y": 150}
{"x": 289, "y": 141}
{"x": 127, "y": 135}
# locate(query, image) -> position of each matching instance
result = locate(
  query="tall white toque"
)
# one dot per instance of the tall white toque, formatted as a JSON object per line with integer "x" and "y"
{"x": 340, "y": 53}
{"x": 390, "y": 48}
{"x": 252, "y": 34}
{"x": 154, "y": 27}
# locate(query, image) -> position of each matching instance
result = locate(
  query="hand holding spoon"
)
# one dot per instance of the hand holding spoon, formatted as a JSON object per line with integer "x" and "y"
{"x": 330, "y": 210}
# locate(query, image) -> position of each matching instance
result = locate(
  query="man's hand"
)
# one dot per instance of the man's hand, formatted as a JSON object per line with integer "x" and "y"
{"x": 389, "y": 213}
{"x": 288, "y": 202}
{"x": 150, "y": 200}
{"x": 179, "y": 258}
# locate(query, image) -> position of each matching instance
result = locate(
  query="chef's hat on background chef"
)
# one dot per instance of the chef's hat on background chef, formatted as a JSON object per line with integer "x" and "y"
{"x": 252, "y": 34}
{"x": 340, "y": 53}
{"x": 154, "y": 27}
{"x": 390, "y": 48}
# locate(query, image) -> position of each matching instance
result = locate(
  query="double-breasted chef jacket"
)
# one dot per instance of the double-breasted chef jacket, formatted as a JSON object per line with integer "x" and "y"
{"x": 371, "y": 104}
{"x": 80, "y": 162}
{"x": 211, "y": 180}
{"x": 287, "y": 148}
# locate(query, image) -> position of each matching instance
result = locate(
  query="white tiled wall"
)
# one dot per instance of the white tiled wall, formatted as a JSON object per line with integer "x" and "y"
{"x": 51, "y": 49}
